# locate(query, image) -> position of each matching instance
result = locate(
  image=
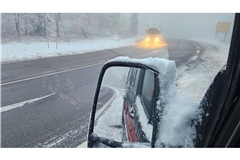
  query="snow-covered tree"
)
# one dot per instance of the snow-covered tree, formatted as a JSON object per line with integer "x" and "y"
{"x": 17, "y": 23}
{"x": 40, "y": 28}
{"x": 124, "y": 25}
{"x": 133, "y": 24}
{"x": 85, "y": 22}
{"x": 34, "y": 24}
{"x": 114, "y": 22}
{"x": 103, "y": 21}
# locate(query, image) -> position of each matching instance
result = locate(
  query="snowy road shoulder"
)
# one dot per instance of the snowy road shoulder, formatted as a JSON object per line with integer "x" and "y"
{"x": 199, "y": 75}
{"x": 36, "y": 50}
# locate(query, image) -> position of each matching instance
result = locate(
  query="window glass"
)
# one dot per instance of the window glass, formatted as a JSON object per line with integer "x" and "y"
{"x": 147, "y": 91}
{"x": 133, "y": 76}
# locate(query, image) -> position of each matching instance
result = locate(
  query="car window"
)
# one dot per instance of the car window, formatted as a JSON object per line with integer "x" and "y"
{"x": 132, "y": 76}
{"x": 147, "y": 92}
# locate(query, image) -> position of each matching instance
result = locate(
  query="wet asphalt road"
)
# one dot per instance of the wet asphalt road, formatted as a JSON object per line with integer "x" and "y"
{"x": 60, "y": 92}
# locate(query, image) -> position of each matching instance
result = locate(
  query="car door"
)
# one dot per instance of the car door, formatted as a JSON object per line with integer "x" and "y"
{"x": 128, "y": 111}
{"x": 138, "y": 106}
{"x": 145, "y": 102}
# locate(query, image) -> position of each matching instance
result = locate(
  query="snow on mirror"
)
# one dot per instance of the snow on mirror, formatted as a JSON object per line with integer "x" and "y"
{"x": 125, "y": 106}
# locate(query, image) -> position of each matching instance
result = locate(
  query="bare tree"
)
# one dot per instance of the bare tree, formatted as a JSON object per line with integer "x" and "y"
{"x": 115, "y": 20}
{"x": 17, "y": 23}
{"x": 57, "y": 18}
{"x": 102, "y": 24}
{"x": 25, "y": 24}
{"x": 85, "y": 22}
{"x": 103, "y": 21}
{"x": 28, "y": 23}
{"x": 124, "y": 25}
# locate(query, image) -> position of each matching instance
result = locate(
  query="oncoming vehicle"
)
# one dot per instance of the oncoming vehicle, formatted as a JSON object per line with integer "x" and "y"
{"x": 153, "y": 36}
{"x": 139, "y": 109}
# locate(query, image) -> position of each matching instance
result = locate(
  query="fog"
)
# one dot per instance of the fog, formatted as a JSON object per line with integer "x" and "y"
{"x": 186, "y": 25}
{"x": 84, "y": 25}
{"x": 116, "y": 77}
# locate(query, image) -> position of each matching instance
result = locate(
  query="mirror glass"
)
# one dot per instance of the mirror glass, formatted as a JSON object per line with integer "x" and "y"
{"x": 125, "y": 106}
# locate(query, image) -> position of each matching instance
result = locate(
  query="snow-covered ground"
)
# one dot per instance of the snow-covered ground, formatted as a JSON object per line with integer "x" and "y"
{"x": 197, "y": 77}
{"x": 25, "y": 51}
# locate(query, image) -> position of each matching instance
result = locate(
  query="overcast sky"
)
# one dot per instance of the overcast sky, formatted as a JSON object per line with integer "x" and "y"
{"x": 186, "y": 25}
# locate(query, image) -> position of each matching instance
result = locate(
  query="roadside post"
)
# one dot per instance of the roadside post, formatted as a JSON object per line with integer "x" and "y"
{"x": 222, "y": 27}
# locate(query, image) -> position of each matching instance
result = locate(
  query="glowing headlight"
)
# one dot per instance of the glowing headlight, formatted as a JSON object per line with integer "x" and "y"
{"x": 147, "y": 39}
{"x": 156, "y": 39}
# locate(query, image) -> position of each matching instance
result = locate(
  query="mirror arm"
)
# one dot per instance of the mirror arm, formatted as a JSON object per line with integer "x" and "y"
{"x": 108, "y": 142}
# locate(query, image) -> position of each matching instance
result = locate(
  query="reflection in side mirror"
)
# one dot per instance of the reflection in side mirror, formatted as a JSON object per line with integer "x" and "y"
{"x": 108, "y": 117}
{"x": 125, "y": 108}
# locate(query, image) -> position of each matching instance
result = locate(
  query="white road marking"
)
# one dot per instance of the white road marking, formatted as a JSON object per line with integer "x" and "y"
{"x": 194, "y": 58}
{"x": 181, "y": 70}
{"x": 21, "y": 104}
{"x": 105, "y": 106}
{"x": 54, "y": 73}
{"x": 163, "y": 54}
{"x": 183, "y": 67}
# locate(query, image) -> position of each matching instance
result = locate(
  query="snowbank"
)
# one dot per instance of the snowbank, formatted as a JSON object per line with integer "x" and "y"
{"x": 26, "y": 51}
{"x": 196, "y": 79}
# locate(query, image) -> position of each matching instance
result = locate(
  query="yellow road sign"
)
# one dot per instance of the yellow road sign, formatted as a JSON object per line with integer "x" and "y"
{"x": 223, "y": 27}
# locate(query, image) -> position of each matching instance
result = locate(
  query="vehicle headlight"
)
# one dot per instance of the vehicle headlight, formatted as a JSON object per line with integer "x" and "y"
{"x": 156, "y": 39}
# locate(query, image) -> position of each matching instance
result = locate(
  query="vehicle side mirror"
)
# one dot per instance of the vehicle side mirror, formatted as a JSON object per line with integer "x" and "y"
{"x": 124, "y": 104}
